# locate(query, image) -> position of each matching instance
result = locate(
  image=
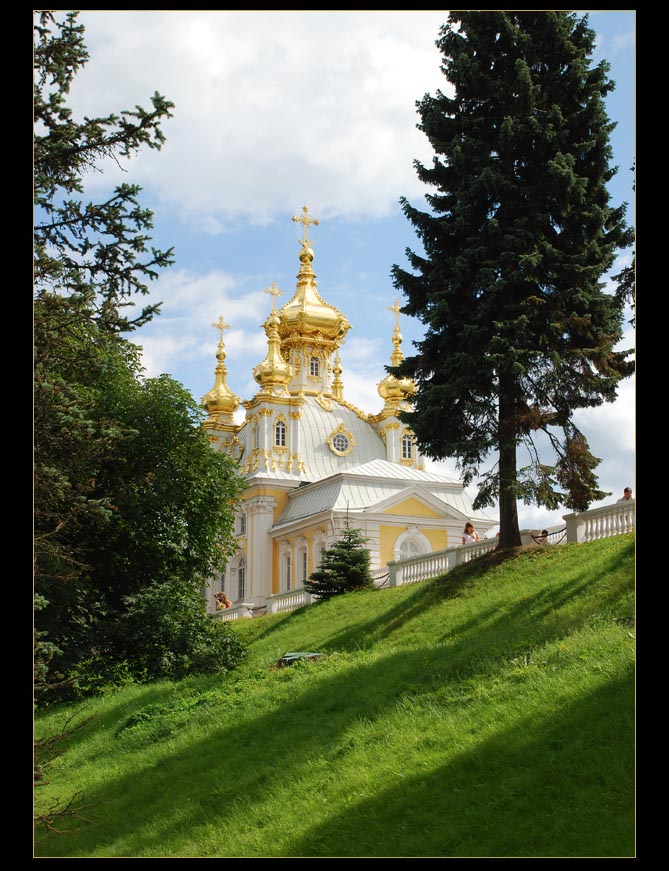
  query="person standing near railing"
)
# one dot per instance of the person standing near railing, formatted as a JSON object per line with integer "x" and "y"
{"x": 627, "y": 495}
{"x": 222, "y": 601}
{"x": 469, "y": 534}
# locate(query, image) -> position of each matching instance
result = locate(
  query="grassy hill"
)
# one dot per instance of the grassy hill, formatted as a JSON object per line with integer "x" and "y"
{"x": 489, "y": 712}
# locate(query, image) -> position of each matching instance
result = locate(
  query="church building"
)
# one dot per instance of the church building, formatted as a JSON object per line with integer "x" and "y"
{"x": 311, "y": 459}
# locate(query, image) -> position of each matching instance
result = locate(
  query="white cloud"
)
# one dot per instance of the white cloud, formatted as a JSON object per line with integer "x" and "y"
{"x": 159, "y": 352}
{"x": 270, "y": 107}
{"x": 623, "y": 42}
{"x": 198, "y": 300}
{"x": 611, "y": 425}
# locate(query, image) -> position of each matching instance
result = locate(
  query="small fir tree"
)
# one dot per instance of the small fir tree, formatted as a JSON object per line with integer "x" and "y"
{"x": 344, "y": 567}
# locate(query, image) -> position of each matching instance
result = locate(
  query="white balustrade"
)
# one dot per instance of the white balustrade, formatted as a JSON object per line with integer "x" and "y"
{"x": 289, "y": 600}
{"x": 421, "y": 567}
{"x": 467, "y": 552}
{"x": 236, "y": 612}
{"x": 604, "y": 522}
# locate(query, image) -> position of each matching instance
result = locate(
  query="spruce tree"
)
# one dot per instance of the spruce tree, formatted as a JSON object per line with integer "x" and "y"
{"x": 344, "y": 566}
{"x": 519, "y": 331}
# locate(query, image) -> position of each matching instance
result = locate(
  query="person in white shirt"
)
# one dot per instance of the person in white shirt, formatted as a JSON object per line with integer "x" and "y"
{"x": 469, "y": 534}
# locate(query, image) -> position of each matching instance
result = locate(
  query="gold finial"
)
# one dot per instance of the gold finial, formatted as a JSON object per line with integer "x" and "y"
{"x": 305, "y": 220}
{"x": 274, "y": 290}
{"x": 337, "y": 385}
{"x": 395, "y": 307}
{"x": 396, "y": 357}
{"x": 220, "y": 325}
{"x": 393, "y": 390}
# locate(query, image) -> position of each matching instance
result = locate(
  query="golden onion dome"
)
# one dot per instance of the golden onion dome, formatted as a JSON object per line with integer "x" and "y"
{"x": 220, "y": 400}
{"x": 307, "y": 314}
{"x": 396, "y": 388}
{"x": 393, "y": 390}
{"x": 274, "y": 373}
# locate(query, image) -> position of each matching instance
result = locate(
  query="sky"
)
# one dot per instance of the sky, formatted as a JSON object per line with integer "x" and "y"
{"x": 277, "y": 110}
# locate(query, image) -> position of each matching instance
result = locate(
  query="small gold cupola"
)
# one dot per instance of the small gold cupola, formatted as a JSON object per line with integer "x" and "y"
{"x": 337, "y": 384}
{"x": 274, "y": 373}
{"x": 307, "y": 316}
{"x": 220, "y": 402}
{"x": 395, "y": 391}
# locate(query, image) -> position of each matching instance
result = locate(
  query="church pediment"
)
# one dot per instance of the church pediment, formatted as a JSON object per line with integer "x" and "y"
{"x": 414, "y": 501}
{"x": 414, "y": 507}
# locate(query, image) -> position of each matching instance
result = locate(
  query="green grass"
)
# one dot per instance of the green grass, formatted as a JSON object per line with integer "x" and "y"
{"x": 489, "y": 712}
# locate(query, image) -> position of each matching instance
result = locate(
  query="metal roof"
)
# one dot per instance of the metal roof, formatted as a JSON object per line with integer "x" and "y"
{"x": 362, "y": 488}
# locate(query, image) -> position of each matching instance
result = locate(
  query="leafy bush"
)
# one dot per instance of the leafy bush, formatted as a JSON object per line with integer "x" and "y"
{"x": 164, "y": 634}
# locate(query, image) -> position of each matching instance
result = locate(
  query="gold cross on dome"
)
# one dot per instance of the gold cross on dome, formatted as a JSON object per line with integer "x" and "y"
{"x": 395, "y": 308}
{"x": 220, "y": 325}
{"x": 274, "y": 290}
{"x": 305, "y": 220}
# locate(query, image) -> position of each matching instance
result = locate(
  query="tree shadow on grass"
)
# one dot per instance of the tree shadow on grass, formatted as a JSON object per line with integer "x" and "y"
{"x": 544, "y": 788}
{"x": 103, "y": 712}
{"x": 401, "y": 606}
{"x": 177, "y": 794}
{"x": 537, "y": 616}
{"x": 412, "y": 602}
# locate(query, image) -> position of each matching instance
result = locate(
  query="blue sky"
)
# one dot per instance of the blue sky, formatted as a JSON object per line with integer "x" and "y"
{"x": 277, "y": 109}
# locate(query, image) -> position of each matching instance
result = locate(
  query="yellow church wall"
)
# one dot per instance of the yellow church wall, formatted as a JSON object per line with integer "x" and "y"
{"x": 412, "y": 508}
{"x": 279, "y": 495}
{"x": 301, "y": 534}
{"x": 438, "y": 538}
{"x": 387, "y": 538}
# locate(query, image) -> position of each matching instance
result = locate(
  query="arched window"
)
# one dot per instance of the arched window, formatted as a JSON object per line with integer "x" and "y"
{"x": 238, "y": 577}
{"x": 280, "y": 434}
{"x": 255, "y": 436}
{"x": 302, "y": 561}
{"x": 407, "y": 447}
{"x": 318, "y": 546}
{"x": 285, "y": 565}
{"x": 411, "y": 543}
{"x": 314, "y": 367}
{"x": 408, "y": 548}
{"x": 241, "y": 578}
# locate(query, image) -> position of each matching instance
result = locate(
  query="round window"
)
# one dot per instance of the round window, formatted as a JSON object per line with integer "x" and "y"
{"x": 340, "y": 443}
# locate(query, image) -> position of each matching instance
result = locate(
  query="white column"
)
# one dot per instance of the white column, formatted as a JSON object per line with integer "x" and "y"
{"x": 392, "y": 428}
{"x": 266, "y": 424}
{"x": 294, "y": 440}
{"x": 260, "y": 517}
{"x": 575, "y": 527}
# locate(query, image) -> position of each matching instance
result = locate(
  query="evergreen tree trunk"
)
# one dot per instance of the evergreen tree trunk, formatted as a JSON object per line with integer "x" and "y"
{"x": 509, "y": 531}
